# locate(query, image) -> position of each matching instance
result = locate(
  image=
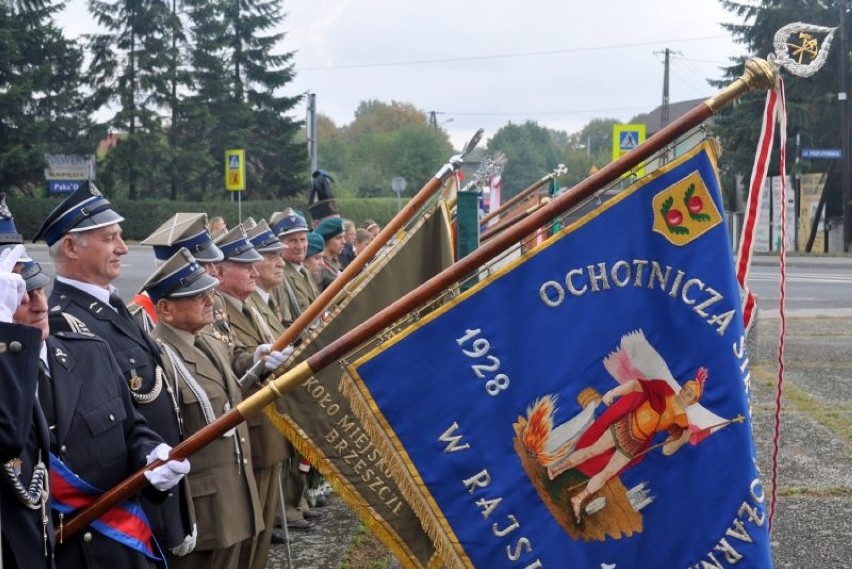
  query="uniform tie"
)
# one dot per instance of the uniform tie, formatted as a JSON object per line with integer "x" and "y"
{"x": 45, "y": 394}
{"x": 273, "y": 306}
{"x": 116, "y": 302}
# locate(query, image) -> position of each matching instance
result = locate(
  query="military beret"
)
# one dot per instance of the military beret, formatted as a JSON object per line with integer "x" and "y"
{"x": 236, "y": 246}
{"x": 287, "y": 222}
{"x": 330, "y": 227}
{"x": 179, "y": 277}
{"x": 83, "y": 210}
{"x": 263, "y": 239}
{"x": 184, "y": 230}
{"x": 316, "y": 244}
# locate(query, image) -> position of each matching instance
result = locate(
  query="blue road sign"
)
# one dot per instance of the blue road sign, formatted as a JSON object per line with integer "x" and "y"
{"x": 832, "y": 153}
{"x": 64, "y": 186}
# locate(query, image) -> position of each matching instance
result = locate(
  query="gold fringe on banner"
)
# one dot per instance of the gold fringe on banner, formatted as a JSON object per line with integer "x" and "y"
{"x": 317, "y": 451}
{"x": 437, "y": 529}
{"x": 366, "y": 515}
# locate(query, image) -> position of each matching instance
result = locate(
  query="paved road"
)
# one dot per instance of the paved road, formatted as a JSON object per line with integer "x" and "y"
{"x": 814, "y": 285}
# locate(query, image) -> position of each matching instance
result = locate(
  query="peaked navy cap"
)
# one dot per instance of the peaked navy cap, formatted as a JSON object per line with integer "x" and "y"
{"x": 8, "y": 232}
{"x": 83, "y": 210}
{"x": 236, "y": 246}
{"x": 33, "y": 276}
{"x": 185, "y": 230}
{"x": 264, "y": 240}
{"x": 179, "y": 277}
{"x": 286, "y": 222}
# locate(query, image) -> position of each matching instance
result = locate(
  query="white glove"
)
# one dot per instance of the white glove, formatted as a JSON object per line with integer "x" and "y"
{"x": 12, "y": 286}
{"x": 272, "y": 359}
{"x": 187, "y": 545}
{"x": 166, "y": 475}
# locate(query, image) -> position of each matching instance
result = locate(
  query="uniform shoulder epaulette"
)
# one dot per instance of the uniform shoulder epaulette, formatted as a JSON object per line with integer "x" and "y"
{"x": 62, "y": 303}
{"x": 76, "y": 324}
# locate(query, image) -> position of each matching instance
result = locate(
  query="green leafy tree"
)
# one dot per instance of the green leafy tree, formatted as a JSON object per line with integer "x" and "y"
{"x": 588, "y": 150}
{"x": 333, "y": 152}
{"x": 388, "y": 140}
{"x": 532, "y": 151}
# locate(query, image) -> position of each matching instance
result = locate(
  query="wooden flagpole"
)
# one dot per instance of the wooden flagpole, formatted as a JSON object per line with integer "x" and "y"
{"x": 315, "y": 309}
{"x": 758, "y": 74}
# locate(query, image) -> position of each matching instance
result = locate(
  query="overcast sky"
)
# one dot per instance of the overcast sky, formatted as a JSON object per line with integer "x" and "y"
{"x": 485, "y": 63}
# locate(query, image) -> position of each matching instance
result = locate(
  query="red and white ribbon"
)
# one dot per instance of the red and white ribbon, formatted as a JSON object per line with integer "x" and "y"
{"x": 774, "y": 111}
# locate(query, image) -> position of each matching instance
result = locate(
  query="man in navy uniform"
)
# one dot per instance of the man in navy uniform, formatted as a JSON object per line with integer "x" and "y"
{"x": 96, "y": 440}
{"x": 27, "y": 535}
{"x": 84, "y": 240}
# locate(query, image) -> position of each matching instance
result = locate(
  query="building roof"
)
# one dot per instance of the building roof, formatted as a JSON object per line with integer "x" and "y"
{"x": 677, "y": 109}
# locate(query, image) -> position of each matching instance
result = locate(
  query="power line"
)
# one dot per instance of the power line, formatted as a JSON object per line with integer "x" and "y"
{"x": 545, "y": 113}
{"x": 504, "y": 55}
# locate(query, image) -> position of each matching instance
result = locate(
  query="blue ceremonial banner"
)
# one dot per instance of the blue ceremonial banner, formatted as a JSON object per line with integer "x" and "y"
{"x": 587, "y": 405}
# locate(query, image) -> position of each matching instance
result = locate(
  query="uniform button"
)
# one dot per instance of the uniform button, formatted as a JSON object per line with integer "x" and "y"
{"x": 242, "y": 439}
{"x": 62, "y": 449}
{"x": 245, "y": 461}
{"x": 132, "y": 361}
{"x": 15, "y": 347}
{"x": 111, "y": 417}
{"x": 87, "y": 537}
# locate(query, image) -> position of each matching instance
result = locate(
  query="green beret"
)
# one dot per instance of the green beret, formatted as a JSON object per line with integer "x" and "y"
{"x": 316, "y": 244}
{"x": 330, "y": 227}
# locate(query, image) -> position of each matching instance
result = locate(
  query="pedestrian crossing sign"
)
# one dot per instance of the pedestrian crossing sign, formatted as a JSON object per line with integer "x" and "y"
{"x": 235, "y": 170}
{"x": 626, "y": 137}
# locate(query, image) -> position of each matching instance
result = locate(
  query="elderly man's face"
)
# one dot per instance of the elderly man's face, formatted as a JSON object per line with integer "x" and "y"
{"x": 32, "y": 311}
{"x": 270, "y": 271}
{"x": 297, "y": 246}
{"x": 237, "y": 279}
{"x": 96, "y": 254}
{"x": 190, "y": 314}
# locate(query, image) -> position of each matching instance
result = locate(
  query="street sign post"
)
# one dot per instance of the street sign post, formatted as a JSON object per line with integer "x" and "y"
{"x": 626, "y": 137}
{"x": 65, "y": 173}
{"x": 235, "y": 175}
{"x": 235, "y": 170}
{"x": 830, "y": 153}
{"x": 397, "y": 185}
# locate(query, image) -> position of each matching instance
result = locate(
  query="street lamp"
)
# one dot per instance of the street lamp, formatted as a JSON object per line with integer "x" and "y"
{"x": 398, "y": 184}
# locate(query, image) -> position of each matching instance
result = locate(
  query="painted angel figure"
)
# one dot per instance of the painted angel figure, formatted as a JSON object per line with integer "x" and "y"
{"x": 648, "y": 400}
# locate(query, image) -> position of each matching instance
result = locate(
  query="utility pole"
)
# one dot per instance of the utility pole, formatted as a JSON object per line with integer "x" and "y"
{"x": 664, "y": 109}
{"x": 312, "y": 130}
{"x": 844, "y": 126}
{"x": 433, "y": 119}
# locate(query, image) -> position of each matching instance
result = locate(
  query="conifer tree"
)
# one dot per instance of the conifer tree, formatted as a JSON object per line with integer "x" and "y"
{"x": 41, "y": 107}
{"x": 130, "y": 72}
{"x": 812, "y": 106}
{"x": 240, "y": 76}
